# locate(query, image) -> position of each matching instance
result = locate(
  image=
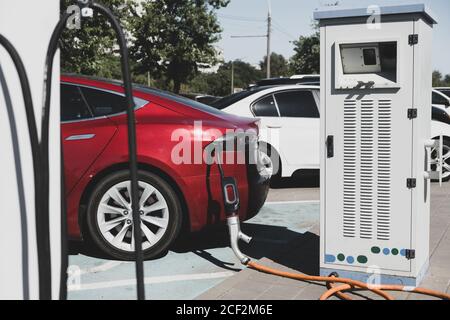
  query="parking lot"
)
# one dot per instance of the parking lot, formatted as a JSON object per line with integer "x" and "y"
{"x": 203, "y": 260}
{"x": 202, "y": 266}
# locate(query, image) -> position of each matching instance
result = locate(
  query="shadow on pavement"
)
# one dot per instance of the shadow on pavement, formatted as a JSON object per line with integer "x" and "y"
{"x": 279, "y": 244}
{"x": 84, "y": 248}
{"x": 297, "y": 181}
{"x": 292, "y": 249}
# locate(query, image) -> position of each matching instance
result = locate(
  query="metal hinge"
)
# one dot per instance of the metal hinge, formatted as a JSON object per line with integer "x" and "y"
{"x": 412, "y": 113}
{"x": 410, "y": 254}
{"x": 411, "y": 183}
{"x": 413, "y": 39}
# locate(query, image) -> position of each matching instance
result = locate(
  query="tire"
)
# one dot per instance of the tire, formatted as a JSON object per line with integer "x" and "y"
{"x": 446, "y": 169}
{"x": 109, "y": 221}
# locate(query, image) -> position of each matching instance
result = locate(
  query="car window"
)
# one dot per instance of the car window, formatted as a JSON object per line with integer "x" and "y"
{"x": 297, "y": 104}
{"x": 438, "y": 99}
{"x": 445, "y": 91}
{"x": 73, "y": 106}
{"x": 104, "y": 103}
{"x": 265, "y": 107}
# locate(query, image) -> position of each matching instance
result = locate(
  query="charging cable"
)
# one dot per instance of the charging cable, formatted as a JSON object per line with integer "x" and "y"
{"x": 85, "y": 5}
{"x": 34, "y": 141}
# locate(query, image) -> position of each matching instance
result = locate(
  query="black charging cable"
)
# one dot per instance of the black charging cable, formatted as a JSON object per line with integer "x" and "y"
{"x": 34, "y": 141}
{"x": 131, "y": 121}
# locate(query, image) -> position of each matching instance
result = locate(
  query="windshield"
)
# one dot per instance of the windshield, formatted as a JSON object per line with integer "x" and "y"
{"x": 231, "y": 99}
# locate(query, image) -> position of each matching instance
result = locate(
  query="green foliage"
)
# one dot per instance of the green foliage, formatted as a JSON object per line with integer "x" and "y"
{"x": 279, "y": 66}
{"x": 174, "y": 38}
{"x": 219, "y": 83}
{"x": 92, "y": 50}
{"x": 439, "y": 80}
{"x": 306, "y": 59}
{"x": 171, "y": 39}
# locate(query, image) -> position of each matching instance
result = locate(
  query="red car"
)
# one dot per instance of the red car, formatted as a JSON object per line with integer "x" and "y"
{"x": 173, "y": 197}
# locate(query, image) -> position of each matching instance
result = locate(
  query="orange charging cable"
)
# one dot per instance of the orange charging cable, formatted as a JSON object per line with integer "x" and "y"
{"x": 347, "y": 284}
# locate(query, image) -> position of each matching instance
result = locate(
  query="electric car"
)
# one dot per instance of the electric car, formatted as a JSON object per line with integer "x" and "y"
{"x": 174, "y": 196}
{"x": 290, "y": 124}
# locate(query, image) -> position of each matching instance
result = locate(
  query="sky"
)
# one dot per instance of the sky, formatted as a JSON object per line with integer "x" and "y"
{"x": 293, "y": 18}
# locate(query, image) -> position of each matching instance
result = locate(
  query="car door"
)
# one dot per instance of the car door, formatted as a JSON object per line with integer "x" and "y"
{"x": 84, "y": 136}
{"x": 300, "y": 128}
{"x": 265, "y": 109}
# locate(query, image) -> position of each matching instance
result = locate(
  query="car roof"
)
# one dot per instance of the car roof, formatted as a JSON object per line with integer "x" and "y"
{"x": 160, "y": 94}
{"x": 296, "y": 79}
{"x": 239, "y": 96}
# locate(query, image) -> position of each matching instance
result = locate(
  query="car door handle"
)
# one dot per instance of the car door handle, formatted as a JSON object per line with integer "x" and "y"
{"x": 81, "y": 137}
{"x": 274, "y": 127}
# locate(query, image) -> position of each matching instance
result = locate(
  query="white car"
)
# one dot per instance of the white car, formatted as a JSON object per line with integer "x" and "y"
{"x": 441, "y": 97}
{"x": 441, "y": 125}
{"x": 290, "y": 124}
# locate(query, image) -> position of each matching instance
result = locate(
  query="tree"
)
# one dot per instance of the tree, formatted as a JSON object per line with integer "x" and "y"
{"x": 174, "y": 38}
{"x": 447, "y": 80}
{"x": 219, "y": 83}
{"x": 279, "y": 66}
{"x": 306, "y": 59}
{"x": 92, "y": 50}
{"x": 439, "y": 80}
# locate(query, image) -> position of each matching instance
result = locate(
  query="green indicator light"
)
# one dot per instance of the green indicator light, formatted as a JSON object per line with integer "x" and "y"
{"x": 341, "y": 257}
{"x": 362, "y": 259}
{"x": 376, "y": 250}
{"x": 395, "y": 252}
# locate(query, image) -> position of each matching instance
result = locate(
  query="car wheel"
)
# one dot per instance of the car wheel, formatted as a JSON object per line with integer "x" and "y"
{"x": 271, "y": 160}
{"x": 446, "y": 159}
{"x": 110, "y": 220}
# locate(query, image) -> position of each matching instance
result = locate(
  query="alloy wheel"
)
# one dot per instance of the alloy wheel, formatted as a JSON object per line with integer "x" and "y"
{"x": 115, "y": 218}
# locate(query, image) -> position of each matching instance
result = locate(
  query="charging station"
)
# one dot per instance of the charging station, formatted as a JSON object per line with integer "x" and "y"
{"x": 375, "y": 151}
{"x": 28, "y": 25}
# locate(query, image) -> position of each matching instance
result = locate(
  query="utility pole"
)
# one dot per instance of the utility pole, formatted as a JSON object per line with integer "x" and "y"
{"x": 232, "y": 77}
{"x": 269, "y": 36}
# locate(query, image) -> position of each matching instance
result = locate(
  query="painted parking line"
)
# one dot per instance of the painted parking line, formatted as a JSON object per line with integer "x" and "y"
{"x": 292, "y": 202}
{"x": 151, "y": 280}
{"x": 104, "y": 267}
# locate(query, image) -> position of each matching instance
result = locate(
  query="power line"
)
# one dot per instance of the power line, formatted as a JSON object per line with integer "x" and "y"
{"x": 250, "y": 36}
{"x": 281, "y": 29}
{"x": 240, "y": 18}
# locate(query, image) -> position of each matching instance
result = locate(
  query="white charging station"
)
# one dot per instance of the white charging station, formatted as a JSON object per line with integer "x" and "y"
{"x": 375, "y": 150}
{"x": 28, "y": 25}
